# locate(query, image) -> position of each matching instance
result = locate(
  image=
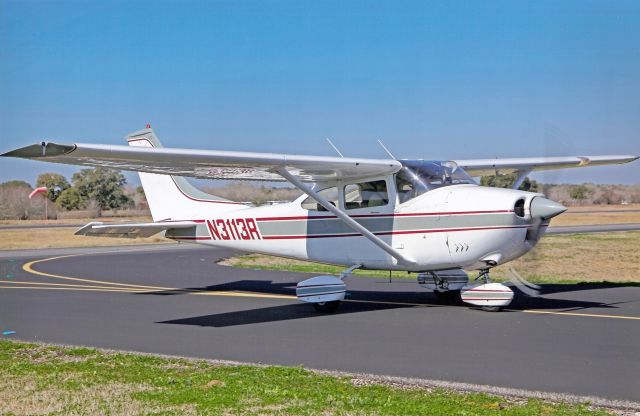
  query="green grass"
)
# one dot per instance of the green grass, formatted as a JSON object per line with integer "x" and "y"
{"x": 566, "y": 259}
{"x": 54, "y": 380}
{"x": 254, "y": 261}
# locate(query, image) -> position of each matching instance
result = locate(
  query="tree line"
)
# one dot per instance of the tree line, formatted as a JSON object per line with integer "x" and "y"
{"x": 101, "y": 187}
{"x": 98, "y": 188}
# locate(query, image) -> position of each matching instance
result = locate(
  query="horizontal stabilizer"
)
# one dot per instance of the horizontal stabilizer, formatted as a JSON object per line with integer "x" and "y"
{"x": 131, "y": 230}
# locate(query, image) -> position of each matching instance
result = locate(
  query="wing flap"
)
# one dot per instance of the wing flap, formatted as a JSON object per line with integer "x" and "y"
{"x": 131, "y": 230}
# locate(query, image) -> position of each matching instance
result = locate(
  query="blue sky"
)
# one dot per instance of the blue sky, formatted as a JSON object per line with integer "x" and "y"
{"x": 438, "y": 80}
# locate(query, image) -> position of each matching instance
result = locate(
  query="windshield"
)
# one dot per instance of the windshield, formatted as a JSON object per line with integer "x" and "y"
{"x": 419, "y": 176}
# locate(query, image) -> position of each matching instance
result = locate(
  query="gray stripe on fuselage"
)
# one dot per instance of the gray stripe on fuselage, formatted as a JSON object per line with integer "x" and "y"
{"x": 333, "y": 226}
{"x": 386, "y": 224}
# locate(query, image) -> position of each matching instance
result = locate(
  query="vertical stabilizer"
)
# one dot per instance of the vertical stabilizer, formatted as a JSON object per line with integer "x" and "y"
{"x": 173, "y": 197}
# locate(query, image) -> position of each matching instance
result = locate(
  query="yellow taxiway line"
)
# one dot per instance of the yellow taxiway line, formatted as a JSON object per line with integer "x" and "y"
{"x": 102, "y": 289}
{"x": 126, "y": 287}
{"x": 106, "y": 286}
{"x": 64, "y": 285}
{"x": 28, "y": 267}
{"x": 589, "y": 315}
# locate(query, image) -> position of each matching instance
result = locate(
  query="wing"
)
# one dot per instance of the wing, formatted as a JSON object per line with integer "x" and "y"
{"x": 481, "y": 167}
{"x": 208, "y": 164}
{"x": 131, "y": 230}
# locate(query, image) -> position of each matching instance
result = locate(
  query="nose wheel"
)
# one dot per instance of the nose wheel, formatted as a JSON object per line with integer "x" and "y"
{"x": 326, "y": 307}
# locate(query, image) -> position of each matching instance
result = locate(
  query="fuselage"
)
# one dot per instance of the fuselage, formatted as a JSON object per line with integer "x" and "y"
{"x": 458, "y": 226}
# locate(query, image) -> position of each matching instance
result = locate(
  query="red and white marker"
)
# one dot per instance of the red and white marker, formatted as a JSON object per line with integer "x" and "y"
{"x": 40, "y": 190}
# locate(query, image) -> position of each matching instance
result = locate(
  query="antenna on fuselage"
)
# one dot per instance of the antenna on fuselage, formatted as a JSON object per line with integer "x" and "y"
{"x": 334, "y": 147}
{"x": 386, "y": 150}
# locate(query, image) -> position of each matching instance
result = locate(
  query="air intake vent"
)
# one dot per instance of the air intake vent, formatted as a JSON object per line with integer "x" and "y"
{"x": 518, "y": 208}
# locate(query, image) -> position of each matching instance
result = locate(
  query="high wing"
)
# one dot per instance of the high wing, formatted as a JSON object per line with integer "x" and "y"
{"x": 208, "y": 164}
{"x": 481, "y": 167}
{"x": 216, "y": 164}
{"x": 131, "y": 230}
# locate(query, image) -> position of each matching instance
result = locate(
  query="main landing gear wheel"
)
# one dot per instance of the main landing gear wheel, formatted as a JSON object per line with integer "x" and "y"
{"x": 327, "y": 307}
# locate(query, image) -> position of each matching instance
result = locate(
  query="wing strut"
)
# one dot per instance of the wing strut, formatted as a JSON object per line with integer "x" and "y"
{"x": 522, "y": 175}
{"x": 350, "y": 222}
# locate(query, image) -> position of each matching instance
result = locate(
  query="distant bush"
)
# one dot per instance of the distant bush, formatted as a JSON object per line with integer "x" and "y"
{"x": 507, "y": 181}
{"x": 102, "y": 185}
{"x": 579, "y": 192}
{"x": 70, "y": 199}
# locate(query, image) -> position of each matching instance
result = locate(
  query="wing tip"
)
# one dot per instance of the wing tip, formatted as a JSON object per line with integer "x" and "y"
{"x": 40, "y": 150}
{"x": 21, "y": 151}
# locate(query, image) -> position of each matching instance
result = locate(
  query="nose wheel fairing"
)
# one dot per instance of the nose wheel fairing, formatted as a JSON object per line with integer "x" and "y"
{"x": 321, "y": 290}
{"x": 487, "y": 295}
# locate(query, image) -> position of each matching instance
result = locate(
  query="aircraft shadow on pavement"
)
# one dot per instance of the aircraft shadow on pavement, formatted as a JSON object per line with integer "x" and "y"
{"x": 357, "y": 301}
{"x": 274, "y": 314}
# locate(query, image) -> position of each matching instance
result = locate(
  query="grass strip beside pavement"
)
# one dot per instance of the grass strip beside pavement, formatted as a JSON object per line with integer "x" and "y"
{"x": 40, "y": 238}
{"x": 571, "y": 258}
{"x": 41, "y": 379}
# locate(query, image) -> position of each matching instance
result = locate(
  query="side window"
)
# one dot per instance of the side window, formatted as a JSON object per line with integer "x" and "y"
{"x": 330, "y": 194}
{"x": 366, "y": 195}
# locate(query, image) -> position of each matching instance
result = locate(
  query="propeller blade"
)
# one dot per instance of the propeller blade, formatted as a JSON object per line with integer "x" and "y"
{"x": 523, "y": 285}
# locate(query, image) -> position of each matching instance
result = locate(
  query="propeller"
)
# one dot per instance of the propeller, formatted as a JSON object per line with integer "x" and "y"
{"x": 556, "y": 143}
{"x": 523, "y": 284}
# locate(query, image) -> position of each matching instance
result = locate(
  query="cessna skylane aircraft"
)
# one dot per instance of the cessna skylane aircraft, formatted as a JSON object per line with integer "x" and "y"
{"x": 424, "y": 216}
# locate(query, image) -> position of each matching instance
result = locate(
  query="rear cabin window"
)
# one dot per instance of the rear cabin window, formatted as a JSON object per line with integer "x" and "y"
{"x": 331, "y": 194}
{"x": 366, "y": 195}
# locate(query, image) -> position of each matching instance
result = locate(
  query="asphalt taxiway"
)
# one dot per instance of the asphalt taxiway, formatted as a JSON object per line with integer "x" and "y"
{"x": 176, "y": 299}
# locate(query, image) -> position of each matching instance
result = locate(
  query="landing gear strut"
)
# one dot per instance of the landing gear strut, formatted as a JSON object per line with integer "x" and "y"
{"x": 484, "y": 277}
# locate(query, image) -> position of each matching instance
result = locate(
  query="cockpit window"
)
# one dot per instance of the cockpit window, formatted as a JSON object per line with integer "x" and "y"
{"x": 419, "y": 176}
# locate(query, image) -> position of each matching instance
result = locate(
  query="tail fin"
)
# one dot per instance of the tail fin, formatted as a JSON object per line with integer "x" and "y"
{"x": 173, "y": 197}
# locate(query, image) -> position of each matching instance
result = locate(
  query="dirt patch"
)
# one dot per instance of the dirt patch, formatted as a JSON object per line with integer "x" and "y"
{"x": 41, "y": 354}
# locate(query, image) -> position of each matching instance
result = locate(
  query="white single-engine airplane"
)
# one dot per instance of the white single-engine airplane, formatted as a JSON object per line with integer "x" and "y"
{"x": 423, "y": 216}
